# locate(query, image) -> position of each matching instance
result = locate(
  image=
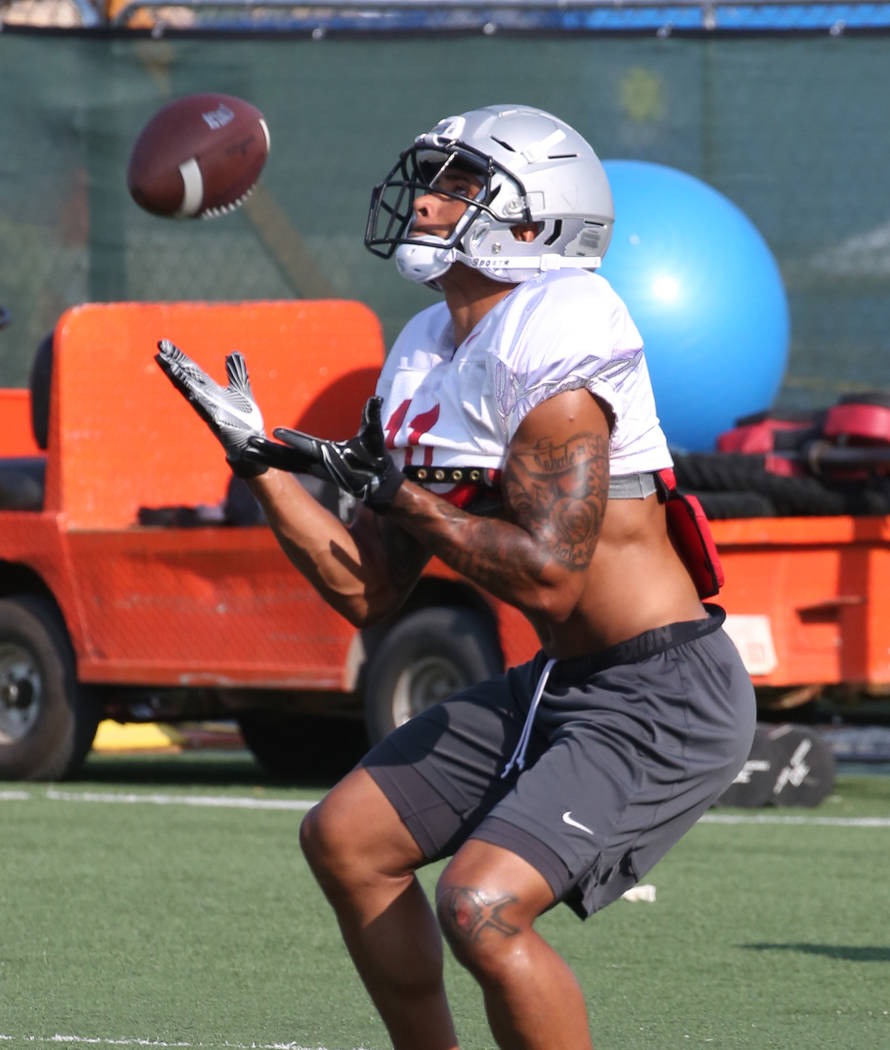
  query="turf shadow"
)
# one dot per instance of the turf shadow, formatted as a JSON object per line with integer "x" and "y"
{"x": 847, "y": 952}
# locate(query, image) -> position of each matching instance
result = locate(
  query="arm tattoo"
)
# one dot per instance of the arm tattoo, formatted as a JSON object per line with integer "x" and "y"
{"x": 558, "y": 492}
{"x": 492, "y": 559}
{"x": 554, "y": 496}
{"x": 470, "y": 913}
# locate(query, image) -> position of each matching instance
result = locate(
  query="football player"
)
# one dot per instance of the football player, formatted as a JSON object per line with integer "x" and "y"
{"x": 514, "y": 436}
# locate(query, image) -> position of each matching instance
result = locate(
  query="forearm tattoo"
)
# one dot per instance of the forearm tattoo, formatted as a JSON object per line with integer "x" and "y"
{"x": 470, "y": 913}
{"x": 556, "y": 493}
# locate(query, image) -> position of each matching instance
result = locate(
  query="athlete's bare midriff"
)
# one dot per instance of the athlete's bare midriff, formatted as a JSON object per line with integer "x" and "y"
{"x": 635, "y": 582}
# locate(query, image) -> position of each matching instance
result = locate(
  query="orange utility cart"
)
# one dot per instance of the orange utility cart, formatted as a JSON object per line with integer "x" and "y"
{"x": 138, "y": 581}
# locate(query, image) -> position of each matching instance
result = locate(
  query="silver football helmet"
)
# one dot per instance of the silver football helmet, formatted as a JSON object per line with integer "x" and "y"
{"x": 534, "y": 168}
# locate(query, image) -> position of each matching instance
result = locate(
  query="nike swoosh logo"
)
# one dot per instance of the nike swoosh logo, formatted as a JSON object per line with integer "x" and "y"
{"x": 568, "y": 819}
{"x": 252, "y": 419}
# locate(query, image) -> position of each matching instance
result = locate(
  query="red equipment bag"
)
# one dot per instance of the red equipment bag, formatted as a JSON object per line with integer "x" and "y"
{"x": 691, "y": 535}
{"x": 775, "y": 436}
{"x": 859, "y": 419}
{"x": 766, "y": 432}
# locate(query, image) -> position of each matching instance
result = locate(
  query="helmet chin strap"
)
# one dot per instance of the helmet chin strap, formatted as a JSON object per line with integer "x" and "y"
{"x": 425, "y": 263}
{"x": 495, "y": 264}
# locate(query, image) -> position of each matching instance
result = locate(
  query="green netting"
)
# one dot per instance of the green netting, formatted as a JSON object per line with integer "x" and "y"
{"x": 794, "y": 130}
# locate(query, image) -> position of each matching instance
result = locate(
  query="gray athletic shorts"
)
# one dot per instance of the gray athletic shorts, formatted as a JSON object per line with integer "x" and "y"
{"x": 628, "y": 748}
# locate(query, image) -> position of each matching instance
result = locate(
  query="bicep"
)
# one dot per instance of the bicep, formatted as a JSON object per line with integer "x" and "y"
{"x": 556, "y": 476}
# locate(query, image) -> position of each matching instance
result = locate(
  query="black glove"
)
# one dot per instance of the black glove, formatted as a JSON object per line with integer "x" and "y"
{"x": 230, "y": 411}
{"x": 361, "y": 466}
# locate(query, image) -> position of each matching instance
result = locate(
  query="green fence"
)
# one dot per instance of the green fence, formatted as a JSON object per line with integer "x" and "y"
{"x": 795, "y": 130}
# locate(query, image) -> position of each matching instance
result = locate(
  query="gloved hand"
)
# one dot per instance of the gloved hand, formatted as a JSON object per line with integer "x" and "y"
{"x": 229, "y": 411}
{"x": 361, "y": 466}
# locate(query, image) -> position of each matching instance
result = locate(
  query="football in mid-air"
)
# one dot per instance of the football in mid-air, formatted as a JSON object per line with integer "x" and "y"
{"x": 199, "y": 156}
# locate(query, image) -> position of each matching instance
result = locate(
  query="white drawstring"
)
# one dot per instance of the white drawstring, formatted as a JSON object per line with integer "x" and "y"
{"x": 518, "y": 757}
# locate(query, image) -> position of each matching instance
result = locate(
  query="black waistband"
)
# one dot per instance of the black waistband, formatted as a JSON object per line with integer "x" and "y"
{"x": 638, "y": 648}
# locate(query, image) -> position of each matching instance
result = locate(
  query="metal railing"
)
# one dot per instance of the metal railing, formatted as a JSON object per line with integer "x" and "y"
{"x": 491, "y": 16}
{"x": 484, "y": 16}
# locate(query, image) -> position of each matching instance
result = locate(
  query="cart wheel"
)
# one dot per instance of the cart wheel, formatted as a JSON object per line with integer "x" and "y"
{"x": 47, "y": 721}
{"x": 426, "y": 657}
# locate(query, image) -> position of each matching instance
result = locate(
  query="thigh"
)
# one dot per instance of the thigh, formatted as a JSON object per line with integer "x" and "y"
{"x": 354, "y": 823}
{"x": 441, "y": 771}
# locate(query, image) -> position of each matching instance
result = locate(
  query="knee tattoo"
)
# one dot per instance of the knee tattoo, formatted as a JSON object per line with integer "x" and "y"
{"x": 467, "y": 914}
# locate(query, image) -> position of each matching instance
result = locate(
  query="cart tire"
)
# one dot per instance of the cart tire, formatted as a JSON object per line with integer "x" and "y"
{"x": 47, "y": 720}
{"x": 426, "y": 657}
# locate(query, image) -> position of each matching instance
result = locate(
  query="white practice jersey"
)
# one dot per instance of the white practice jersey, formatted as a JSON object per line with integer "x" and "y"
{"x": 447, "y": 406}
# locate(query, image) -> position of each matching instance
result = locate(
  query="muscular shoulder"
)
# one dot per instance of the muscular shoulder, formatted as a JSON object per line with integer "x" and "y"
{"x": 565, "y": 331}
{"x": 562, "y": 315}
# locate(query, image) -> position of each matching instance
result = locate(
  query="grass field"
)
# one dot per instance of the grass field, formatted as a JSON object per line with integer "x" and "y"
{"x": 164, "y": 902}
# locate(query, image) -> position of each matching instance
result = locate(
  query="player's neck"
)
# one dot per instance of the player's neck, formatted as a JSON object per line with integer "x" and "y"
{"x": 469, "y": 295}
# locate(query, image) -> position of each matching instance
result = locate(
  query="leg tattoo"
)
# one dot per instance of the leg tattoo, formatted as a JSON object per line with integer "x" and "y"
{"x": 470, "y": 912}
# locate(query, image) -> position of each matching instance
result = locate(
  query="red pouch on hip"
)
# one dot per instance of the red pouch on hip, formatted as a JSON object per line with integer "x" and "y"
{"x": 691, "y": 535}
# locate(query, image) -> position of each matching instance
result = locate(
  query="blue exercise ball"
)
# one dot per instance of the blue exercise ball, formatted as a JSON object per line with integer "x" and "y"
{"x": 706, "y": 294}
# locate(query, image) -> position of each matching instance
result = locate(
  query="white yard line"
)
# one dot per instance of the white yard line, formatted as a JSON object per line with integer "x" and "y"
{"x": 806, "y": 821}
{"x": 158, "y": 799}
{"x": 81, "y": 1040}
{"x": 291, "y": 805}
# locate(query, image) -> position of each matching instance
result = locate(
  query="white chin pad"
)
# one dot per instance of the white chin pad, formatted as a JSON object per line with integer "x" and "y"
{"x": 423, "y": 262}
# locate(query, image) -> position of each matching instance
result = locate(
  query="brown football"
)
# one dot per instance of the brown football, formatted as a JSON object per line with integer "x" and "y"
{"x": 199, "y": 156}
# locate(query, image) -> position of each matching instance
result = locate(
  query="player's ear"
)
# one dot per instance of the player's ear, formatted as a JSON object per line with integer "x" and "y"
{"x": 526, "y": 231}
